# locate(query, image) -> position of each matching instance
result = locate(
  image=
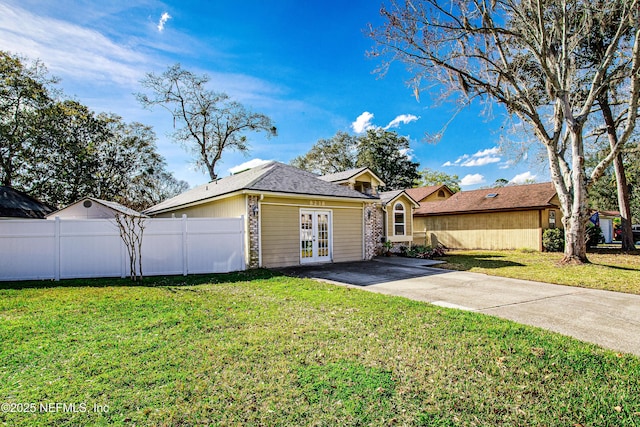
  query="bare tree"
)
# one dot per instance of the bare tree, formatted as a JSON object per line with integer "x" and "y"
{"x": 131, "y": 228}
{"x": 523, "y": 54}
{"x": 211, "y": 122}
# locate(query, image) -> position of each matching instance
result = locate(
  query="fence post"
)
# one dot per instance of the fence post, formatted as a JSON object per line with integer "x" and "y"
{"x": 185, "y": 248}
{"x": 56, "y": 250}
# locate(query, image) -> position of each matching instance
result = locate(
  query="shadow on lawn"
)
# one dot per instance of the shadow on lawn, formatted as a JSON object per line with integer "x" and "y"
{"x": 467, "y": 262}
{"x": 151, "y": 281}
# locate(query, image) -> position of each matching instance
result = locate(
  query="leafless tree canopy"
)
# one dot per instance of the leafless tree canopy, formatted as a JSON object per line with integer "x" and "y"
{"x": 535, "y": 58}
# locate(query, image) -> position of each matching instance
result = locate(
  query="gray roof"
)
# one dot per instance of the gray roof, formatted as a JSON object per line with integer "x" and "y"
{"x": 117, "y": 207}
{"x": 348, "y": 174}
{"x": 387, "y": 196}
{"x": 16, "y": 204}
{"x": 272, "y": 177}
{"x": 342, "y": 176}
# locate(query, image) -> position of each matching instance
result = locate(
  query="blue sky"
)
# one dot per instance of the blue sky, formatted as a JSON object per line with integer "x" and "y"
{"x": 302, "y": 63}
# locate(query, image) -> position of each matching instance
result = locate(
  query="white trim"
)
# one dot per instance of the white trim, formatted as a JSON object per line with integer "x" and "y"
{"x": 404, "y": 219}
{"x": 314, "y": 227}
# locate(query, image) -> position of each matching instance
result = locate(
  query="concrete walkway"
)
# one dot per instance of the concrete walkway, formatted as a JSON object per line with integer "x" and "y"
{"x": 610, "y": 319}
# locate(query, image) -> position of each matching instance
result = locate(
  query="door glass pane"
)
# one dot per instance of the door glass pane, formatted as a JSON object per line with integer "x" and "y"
{"x": 306, "y": 236}
{"x": 323, "y": 235}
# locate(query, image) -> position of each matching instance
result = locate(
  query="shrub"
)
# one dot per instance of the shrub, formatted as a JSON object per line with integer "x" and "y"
{"x": 553, "y": 240}
{"x": 426, "y": 252}
{"x": 594, "y": 235}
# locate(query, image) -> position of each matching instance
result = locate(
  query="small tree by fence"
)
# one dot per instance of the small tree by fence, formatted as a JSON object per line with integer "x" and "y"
{"x": 131, "y": 231}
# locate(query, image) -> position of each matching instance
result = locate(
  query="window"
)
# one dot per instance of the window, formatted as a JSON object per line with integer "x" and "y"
{"x": 398, "y": 219}
{"x": 552, "y": 219}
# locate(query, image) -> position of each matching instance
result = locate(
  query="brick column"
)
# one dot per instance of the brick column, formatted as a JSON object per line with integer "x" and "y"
{"x": 253, "y": 228}
{"x": 373, "y": 221}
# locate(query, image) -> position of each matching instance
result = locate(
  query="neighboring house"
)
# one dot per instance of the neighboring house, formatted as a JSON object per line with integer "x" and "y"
{"x": 15, "y": 204}
{"x": 292, "y": 217}
{"x": 393, "y": 217}
{"x": 92, "y": 208}
{"x": 432, "y": 193}
{"x": 508, "y": 217}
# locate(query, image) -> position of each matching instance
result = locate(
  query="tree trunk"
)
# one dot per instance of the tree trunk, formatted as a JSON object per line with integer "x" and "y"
{"x": 624, "y": 205}
{"x": 575, "y": 246}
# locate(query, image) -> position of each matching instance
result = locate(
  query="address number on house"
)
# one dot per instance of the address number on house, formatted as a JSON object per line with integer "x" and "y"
{"x": 317, "y": 202}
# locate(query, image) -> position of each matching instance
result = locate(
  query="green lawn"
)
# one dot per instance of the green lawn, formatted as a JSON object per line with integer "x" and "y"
{"x": 608, "y": 269}
{"x": 258, "y": 349}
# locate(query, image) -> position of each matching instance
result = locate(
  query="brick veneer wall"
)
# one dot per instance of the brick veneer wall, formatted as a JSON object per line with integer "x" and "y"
{"x": 373, "y": 220}
{"x": 253, "y": 228}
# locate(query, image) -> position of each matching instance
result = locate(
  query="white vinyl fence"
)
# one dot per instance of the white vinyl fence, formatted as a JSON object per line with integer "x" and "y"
{"x": 65, "y": 249}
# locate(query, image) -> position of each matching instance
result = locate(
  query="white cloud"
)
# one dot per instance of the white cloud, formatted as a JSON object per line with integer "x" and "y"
{"x": 480, "y": 158}
{"x": 480, "y": 161}
{"x": 362, "y": 123}
{"x": 247, "y": 165}
{"x": 69, "y": 49}
{"x": 472, "y": 179}
{"x": 523, "y": 178}
{"x": 402, "y": 118}
{"x": 163, "y": 19}
{"x": 447, "y": 163}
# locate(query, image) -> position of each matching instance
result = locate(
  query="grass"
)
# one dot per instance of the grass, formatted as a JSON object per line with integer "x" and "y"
{"x": 608, "y": 269}
{"x": 260, "y": 349}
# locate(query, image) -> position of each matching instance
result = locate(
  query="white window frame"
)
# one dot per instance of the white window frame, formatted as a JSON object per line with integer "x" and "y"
{"x": 397, "y": 211}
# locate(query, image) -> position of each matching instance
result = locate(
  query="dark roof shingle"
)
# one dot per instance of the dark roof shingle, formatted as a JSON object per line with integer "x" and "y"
{"x": 272, "y": 177}
{"x": 16, "y": 204}
{"x": 516, "y": 197}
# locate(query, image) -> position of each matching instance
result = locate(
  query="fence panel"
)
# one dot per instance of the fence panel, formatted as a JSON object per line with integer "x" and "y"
{"x": 26, "y": 249}
{"x": 89, "y": 248}
{"x": 46, "y": 249}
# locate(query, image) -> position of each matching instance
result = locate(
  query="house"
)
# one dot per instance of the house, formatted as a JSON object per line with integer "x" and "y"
{"x": 508, "y": 217}
{"x": 92, "y": 208}
{"x": 393, "y": 220}
{"x": 431, "y": 193}
{"x": 292, "y": 217}
{"x": 15, "y": 204}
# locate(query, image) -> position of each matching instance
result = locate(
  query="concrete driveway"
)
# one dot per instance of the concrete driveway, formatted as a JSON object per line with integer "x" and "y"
{"x": 610, "y": 319}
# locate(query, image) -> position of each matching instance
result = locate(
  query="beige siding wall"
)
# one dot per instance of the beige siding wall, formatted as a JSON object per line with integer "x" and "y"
{"x": 223, "y": 208}
{"x": 280, "y": 237}
{"x": 280, "y": 229}
{"x": 347, "y": 235}
{"x": 503, "y": 230}
{"x": 408, "y": 235}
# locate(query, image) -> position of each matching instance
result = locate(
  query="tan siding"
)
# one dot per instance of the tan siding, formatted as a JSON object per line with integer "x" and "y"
{"x": 223, "y": 208}
{"x": 280, "y": 235}
{"x": 347, "y": 235}
{"x": 408, "y": 235}
{"x": 503, "y": 230}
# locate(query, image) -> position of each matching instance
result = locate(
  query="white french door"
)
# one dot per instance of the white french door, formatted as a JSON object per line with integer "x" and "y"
{"x": 315, "y": 236}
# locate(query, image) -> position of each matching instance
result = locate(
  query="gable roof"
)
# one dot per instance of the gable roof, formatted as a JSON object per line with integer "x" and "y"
{"x": 387, "y": 197}
{"x": 516, "y": 197}
{"x": 422, "y": 193}
{"x": 348, "y": 174}
{"x": 16, "y": 204}
{"x": 272, "y": 177}
{"x": 111, "y": 205}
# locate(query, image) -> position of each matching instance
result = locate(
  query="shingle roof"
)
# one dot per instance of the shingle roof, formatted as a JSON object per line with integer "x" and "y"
{"x": 117, "y": 207}
{"x": 388, "y": 196}
{"x": 16, "y": 204}
{"x": 517, "y": 197}
{"x": 271, "y": 177}
{"x": 421, "y": 193}
{"x": 342, "y": 176}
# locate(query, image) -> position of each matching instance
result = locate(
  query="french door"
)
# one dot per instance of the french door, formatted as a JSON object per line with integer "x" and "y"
{"x": 315, "y": 236}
